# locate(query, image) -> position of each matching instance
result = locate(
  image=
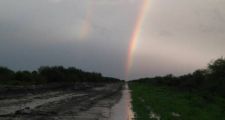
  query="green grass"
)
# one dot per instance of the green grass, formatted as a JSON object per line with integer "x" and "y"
{"x": 164, "y": 101}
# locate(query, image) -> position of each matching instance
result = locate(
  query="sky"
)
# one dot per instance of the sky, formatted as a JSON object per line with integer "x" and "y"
{"x": 127, "y": 39}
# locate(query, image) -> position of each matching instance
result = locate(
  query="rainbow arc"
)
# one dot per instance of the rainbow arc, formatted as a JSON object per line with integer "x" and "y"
{"x": 135, "y": 35}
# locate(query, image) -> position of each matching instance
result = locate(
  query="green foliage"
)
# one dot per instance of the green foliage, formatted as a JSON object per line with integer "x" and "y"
{"x": 6, "y": 75}
{"x": 210, "y": 81}
{"x": 46, "y": 74}
{"x": 23, "y": 77}
{"x": 217, "y": 68}
{"x": 196, "y": 96}
{"x": 165, "y": 102}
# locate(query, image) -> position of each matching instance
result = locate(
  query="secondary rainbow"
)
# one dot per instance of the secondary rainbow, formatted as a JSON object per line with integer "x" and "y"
{"x": 135, "y": 35}
{"x": 85, "y": 26}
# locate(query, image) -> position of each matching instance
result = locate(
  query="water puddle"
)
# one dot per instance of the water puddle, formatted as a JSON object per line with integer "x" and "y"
{"x": 174, "y": 114}
{"x": 155, "y": 116}
{"x": 122, "y": 110}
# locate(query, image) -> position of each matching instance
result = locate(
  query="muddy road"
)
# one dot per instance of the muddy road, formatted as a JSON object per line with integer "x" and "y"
{"x": 122, "y": 110}
{"x": 90, "y": 103}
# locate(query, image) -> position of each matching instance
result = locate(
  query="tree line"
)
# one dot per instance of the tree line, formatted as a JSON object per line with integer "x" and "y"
{"x": 209, "y": 81}
{"x": 47, "y": 74}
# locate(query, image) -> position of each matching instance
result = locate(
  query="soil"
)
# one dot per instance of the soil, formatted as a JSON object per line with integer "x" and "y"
{"x": 86, "y": 102}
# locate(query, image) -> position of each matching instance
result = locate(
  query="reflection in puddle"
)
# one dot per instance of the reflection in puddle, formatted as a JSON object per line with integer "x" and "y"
{"x": 175, "y": 114}
{"x": 154, "y": 116}
{"x": 122, "y": 110}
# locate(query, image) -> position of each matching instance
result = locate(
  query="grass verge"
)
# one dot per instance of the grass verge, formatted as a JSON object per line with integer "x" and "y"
{"x": 153, "y": 102}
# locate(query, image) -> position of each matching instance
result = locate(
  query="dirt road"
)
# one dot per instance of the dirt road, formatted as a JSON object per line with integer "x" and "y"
{"x": 93, "y": 103}
{"x": 123, "y": 109}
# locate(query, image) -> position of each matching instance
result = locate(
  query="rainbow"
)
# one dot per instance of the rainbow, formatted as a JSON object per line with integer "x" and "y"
{"x": 135, "y": 35}
{"x": 85, "y": 26}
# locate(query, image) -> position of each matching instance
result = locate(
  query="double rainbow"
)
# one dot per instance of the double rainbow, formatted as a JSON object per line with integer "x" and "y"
{"x": 85, "y": 29}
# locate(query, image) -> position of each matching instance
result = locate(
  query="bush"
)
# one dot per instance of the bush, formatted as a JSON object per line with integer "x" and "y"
{"x": 55, "y": 74}
{"x": 210, "y": 80}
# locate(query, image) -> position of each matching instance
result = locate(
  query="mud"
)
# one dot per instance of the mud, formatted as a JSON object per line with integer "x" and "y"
{"x": 88, "y": 103}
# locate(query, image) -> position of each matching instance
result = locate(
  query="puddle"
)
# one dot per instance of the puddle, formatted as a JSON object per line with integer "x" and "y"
{"x": 174, "y": 114}
{"x": 122, "y": 110}
{"x": 154, "y": 116}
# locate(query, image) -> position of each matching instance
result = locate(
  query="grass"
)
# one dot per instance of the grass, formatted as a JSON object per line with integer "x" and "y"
{"x": 174, "y": 105}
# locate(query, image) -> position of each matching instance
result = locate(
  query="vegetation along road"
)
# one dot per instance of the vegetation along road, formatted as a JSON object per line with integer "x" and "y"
{"x": 196, "y": 96}
{"x": 57, "y": 93}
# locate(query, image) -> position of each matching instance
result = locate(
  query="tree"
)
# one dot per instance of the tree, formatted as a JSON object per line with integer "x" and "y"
{"x": 217, "y": 68}
{"x": 216, "y": 78}
{"x": 6, "y": 75}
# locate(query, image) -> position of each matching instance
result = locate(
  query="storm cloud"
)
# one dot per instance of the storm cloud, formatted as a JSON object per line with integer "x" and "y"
{"x": 178, "y": 36}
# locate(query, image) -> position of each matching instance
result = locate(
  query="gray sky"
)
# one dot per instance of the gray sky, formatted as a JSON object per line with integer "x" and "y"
{"x": 177, "y": 36}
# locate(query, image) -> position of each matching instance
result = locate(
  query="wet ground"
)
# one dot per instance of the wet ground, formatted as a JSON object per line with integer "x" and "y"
{"x": 122, "y": 110}
{"x": 105, "y": 102}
